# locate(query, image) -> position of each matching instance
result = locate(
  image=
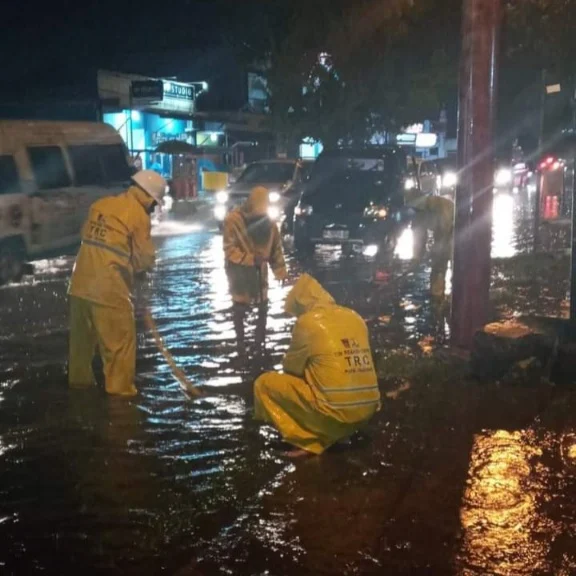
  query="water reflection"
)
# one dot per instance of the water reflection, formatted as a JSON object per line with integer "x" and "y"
{"x": 500, "y": 513}
{"x": 405, "y": 246}
{"x": 504, "y": 226}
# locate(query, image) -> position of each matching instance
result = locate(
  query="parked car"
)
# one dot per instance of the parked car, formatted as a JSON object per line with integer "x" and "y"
{"x": 50, "y": 174}
{"x": 283, "y": 178}
{"x": 354, "y": 197}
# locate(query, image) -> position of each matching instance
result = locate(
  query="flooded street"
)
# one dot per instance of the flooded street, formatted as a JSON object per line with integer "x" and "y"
{"x": 454, "y": 477}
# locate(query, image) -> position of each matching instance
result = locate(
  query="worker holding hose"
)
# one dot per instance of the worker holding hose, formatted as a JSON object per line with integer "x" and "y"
{"x": 252, "y": 243}
{"x": 116, "y": 245}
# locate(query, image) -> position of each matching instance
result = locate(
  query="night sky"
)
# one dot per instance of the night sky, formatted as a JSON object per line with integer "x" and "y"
{"x": 65, "y": 38}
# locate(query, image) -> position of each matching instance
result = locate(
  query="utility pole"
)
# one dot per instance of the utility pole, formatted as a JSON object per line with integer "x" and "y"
{"x": 474, "y": 195}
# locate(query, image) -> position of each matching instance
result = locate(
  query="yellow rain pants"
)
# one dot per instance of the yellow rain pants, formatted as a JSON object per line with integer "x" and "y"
{"x": 441, "y": 212}
{"x": 116, "y": 244}
{"x": 434, "y": 213}
{"x": 113, "y": 332}
{"x": 329, "y": 387}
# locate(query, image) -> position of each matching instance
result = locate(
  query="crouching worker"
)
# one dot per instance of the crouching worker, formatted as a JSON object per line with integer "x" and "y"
{"x": 116, "y": 244}
{"x": 251, "y": 244}
{"x": 329, "y": 387}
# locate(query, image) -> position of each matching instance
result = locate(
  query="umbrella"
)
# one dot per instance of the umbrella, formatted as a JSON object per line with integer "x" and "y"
{"x": 175, "y": 147}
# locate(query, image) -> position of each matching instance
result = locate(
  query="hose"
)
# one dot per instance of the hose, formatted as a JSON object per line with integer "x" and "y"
{"x": 185, "y": 383}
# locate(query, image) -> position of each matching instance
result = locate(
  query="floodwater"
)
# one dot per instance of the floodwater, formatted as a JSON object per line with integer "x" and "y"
{"x": 453, "y": 478}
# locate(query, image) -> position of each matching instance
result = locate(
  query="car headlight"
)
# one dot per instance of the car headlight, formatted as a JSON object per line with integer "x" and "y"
{"x": 409, "y": 184}
{"x": 449, "y": 180}
{"x": 371, "y": 250}
{"x": 376, "y": 212}
{"x": 303, "y": 210}
{"x": 220, "y": 212}
{"x": 503, "y": 177}
{"x": 274, "y": 197}
{"x": 222, "y": 197}
{"x": 273, "y": 212}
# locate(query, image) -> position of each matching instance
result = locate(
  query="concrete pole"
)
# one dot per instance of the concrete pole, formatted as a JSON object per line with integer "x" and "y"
{"x": 473, "y": 224}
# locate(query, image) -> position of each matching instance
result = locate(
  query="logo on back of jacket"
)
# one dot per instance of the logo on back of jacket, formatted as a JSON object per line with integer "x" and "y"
{"x": 98, "y": 228}
{"x": 357, "y": 359}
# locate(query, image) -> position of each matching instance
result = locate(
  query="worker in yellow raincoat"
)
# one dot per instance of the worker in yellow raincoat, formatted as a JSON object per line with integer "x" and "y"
{"x": 252, "y": 243}
{"x": 434, "y": 213}
{"x": 116, "y": 245}
{"x": 329, "y": 387}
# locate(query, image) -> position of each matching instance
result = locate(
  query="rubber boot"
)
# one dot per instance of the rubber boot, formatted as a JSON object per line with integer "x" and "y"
{"x": 239, "y": 315}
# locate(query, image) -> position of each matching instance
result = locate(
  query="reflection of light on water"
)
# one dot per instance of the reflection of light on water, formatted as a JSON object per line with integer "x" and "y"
{"x": 405, "y": 247}
{"x": 219, "y": 290}
{"x": 503, "y": 236}
{"x": 172, "y": 228}
{"x": 499, "y": 513}
{"x": 448, "y": 280}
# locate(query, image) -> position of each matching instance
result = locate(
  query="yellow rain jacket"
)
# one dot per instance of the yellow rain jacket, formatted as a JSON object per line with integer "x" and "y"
{"x": 242, "y": 243}
{"x": 116, "y": 244}
{"x": 329, "y": 387}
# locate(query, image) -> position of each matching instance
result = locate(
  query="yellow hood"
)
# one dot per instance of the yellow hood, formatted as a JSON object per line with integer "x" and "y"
{"x": 306, "y": 295}
{"x": 257, "y": 203}
{"x": 142, "y": 197}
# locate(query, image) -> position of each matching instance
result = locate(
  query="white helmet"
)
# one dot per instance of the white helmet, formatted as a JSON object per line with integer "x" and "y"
{"x": 152, "y": 183}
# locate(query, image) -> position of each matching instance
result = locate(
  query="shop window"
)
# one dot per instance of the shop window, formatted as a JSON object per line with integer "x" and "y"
{"x": 114, "y": 163}
{"x": 9, "y": 181}
{"x": 49, "y": 167}
{"x": 86, "y": 165}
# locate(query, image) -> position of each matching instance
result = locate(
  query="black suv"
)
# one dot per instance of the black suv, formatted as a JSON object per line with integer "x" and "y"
{"x": 353, "y": 197}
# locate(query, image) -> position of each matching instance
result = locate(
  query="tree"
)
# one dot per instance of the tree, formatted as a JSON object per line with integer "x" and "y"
{"x": 391, "y": 63}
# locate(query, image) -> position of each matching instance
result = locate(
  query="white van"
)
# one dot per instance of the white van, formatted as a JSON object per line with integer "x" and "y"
{"x": 50, "y": 174}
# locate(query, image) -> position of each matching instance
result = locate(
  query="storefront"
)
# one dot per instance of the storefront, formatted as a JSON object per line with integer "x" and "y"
{"x": 144, "y": 131}
{"x": 147, "y": 112}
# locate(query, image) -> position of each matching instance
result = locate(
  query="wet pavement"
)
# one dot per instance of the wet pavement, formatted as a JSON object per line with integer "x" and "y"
{"x": 453, "y": 477}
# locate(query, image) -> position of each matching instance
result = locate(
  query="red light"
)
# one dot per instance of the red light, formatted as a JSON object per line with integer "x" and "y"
{"x": 550, "y": 160}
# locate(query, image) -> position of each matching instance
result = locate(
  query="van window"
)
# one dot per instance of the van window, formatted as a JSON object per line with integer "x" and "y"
{"x": 9, "y": 181}
{"x": 114, "y": 163}
{"x": 86, "y": 165}
{"x": 49, "y": 167}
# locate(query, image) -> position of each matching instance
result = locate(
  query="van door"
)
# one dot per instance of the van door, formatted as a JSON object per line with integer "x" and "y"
{"x": 88, "y": 179}
{"x": 52, "y": 203}
{"x": 99, "y": 170}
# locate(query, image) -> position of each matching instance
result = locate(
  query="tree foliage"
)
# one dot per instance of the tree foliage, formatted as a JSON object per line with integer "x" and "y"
{"x": 391, "y": 63}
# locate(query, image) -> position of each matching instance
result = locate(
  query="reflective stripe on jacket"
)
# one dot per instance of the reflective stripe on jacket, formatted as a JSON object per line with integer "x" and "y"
{"x": 240, "y": 249}
{"x": 330, "y": 349}
{"x": 116, "y": 243}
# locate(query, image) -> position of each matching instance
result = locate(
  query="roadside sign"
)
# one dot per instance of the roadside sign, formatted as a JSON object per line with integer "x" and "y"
{"x": 147, "y": 90}
{"x": 553, "y": 89}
